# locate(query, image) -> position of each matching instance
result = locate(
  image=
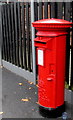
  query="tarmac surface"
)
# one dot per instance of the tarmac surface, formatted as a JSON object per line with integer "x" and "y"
{"x": 19, "y": 97}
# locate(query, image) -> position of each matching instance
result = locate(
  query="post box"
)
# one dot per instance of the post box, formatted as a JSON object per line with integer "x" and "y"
{"x": 50, "y": 46}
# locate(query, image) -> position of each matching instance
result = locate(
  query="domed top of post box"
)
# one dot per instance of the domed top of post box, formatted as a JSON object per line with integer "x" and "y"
{"x": 52, "y": 23}
{"x": 52, "y": 27}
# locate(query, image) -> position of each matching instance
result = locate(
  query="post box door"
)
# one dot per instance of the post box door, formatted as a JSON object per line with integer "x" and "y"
{"x": 47, "y": 78}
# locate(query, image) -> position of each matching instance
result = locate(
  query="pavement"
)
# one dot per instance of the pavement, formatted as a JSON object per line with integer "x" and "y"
{"x": 19, "y": 97}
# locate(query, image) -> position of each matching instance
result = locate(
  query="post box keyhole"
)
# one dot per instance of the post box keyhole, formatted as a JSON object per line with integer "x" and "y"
{"x": 51, "y": 69}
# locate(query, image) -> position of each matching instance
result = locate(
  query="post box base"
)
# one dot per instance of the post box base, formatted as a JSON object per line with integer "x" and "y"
{"x": 51, "y": 112}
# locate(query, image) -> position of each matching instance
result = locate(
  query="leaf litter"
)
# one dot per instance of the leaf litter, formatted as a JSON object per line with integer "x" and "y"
{"x": 1, "y": 113}
{"x": 1, "y": 66}
{"x": 24, "y": 100}
{"x": 37, "y": 102}
{"x": 30, "y": 82}
{"x": 37, "y": 85}
{"x": 30, "y": 88}
{"x": 20, "y": 84}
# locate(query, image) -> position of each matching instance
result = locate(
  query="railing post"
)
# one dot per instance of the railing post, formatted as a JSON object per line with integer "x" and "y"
{"x": 0, "y": 35}
{"x": 33, "y": 36}
{"x": 0, "y": 60}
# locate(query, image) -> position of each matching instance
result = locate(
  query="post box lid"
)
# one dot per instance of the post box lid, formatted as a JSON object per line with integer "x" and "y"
{"x": 52, "y": 23}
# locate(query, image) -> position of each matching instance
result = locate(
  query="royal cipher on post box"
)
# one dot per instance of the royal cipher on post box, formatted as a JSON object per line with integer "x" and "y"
{"x": 50, "y": 46}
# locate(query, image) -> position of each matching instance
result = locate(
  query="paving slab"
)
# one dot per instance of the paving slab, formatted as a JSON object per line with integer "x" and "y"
{"x": 13, "y": 93}
{"x": 14, "y": 96}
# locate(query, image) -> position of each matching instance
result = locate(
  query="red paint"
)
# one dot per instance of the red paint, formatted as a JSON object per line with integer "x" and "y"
{"x": 52, "y": 40}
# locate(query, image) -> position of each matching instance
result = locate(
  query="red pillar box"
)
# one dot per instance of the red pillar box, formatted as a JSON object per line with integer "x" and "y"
{"x": 51, "y": 53}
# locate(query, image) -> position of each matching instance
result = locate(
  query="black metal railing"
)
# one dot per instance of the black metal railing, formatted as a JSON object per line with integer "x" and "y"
{"x": 59, "y": 10}
{"x": 17, "y": 32}
{"x": 17, "y": 48}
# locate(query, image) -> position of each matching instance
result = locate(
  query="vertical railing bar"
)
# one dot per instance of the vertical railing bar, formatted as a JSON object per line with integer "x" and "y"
{"x": 20, "y": 40}
{"x": 3, "y": 45}
{"x": 8, "y": 24}
{"x": 10, "y": 28}
{"x": 33, "y": 36}
{"x": 67, "y": 57}
{"x": 4, "y": 26}
{"x": 28, "y": 36}
{"x": 24, "y": 39}
{"x": 72, "y": 53}
{"x": 13, "y": 34}
{"x": 45, "y": 10}
{"x": 14, "y": 41}
{"x": 16, "y": 35}
{"x": 40, "y": 10}
{"x": 36, "y": 17}
{"x": 10, "y": 32}
{"x": 35, "y": 13}
{"x": 0, "y": 35}
{"x": 7, "y": 41}
{"x": 59, "y": 10}
{"x": 67, "y": 17}
{"x": 53, "y": 9}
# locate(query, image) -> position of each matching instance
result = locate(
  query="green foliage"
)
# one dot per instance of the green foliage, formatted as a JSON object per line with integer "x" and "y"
{"x": 72, "y": 88}
{"x": 66, "y": 85}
